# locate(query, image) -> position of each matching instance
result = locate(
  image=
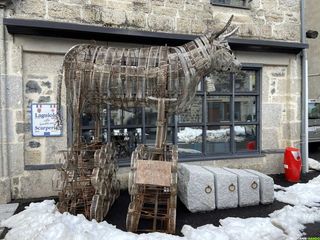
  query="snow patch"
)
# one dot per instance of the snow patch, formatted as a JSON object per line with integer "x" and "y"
{"x": 314, "y": 164}
{"x": 292, "y": 219}
{"x": 307, "y": 194}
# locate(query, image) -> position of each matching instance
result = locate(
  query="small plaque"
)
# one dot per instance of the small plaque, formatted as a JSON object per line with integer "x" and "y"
{"x": 44, "y": 120}
{"x": 156, "y": 173}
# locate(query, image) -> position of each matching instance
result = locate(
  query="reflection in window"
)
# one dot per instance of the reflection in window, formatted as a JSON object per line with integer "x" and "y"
{"x": 314, "y": 110}
{"x": 130, "y": 116}
{"x": 218, "y": 140}
{"x": 245, "y": 81}
{"x": 126, "y": 140}
{"x": 246, "y": 138}
{"x": 151, "y": 135}
{"x": 218, "y": 82}
{"x": 190, "y": 140}
{"x": 208, "y": 128}
{"x": 218, "y": 109}
{"x": 245, "y": 109}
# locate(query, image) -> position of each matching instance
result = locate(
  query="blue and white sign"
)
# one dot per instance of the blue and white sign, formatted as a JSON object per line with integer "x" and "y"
{"x": 44, "y": 120}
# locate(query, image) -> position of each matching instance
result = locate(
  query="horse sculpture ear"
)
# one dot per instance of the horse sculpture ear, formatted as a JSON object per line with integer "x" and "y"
{"x": 217, "y": 35}
{"x": 227, "y": 35}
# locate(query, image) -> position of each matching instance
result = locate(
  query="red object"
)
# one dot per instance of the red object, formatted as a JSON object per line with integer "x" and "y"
{"x": 251, "y": 145}
{"x": 292, "y": 164}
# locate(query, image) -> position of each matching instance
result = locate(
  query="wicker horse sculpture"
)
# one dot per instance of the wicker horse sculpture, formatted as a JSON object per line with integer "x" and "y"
{"x": 164, "y": 77}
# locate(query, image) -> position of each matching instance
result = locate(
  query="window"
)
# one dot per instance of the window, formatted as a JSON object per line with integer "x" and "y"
{"x": 223, "y": 119}
{"x": 232, "y": 3}
{"x": 227, "y": 114}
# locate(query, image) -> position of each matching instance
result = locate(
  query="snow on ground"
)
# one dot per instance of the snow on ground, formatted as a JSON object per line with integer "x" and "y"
{"x": 307, "y": 194}
{"x": 192, "y": 135}
{"x": 43, "y": 221}
{"x": 314, "y": 164}
{"x": 291, "y": 219}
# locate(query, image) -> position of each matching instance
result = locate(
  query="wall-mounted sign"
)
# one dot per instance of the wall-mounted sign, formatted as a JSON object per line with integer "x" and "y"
{"x": 44, "y": 120}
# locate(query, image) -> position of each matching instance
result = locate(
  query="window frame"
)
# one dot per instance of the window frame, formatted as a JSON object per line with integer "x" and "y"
{"x": 245, "y": 5}
{"x": 232, "y": 122}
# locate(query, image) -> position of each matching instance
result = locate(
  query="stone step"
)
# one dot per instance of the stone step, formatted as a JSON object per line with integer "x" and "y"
{"x": 196, "y": 188}
{"x": 266, "y": 187}
{"x": 248, "y": 187}
{"x": 226, "y": 187}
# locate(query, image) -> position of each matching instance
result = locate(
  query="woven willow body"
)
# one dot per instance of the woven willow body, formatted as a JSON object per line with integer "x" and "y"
{"x": 134, "y": 77}
{"x": 158, "y": 76}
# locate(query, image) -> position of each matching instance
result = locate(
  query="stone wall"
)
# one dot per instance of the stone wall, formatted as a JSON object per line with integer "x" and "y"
{"x": 266, "y": 19}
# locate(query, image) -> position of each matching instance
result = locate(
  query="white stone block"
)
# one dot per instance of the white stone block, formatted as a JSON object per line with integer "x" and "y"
{"x": 196, "y": 188}
{"x": 266, "y": 187}
{"x": 226, "y": 188}
{"x": 248, "y": 187}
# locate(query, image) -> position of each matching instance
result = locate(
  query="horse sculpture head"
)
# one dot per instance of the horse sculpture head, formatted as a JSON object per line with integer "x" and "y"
{"x": 222, "y": 58}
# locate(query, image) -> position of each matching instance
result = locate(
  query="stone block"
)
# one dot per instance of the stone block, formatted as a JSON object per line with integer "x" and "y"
{"x": 5, "y": 193}
{"x": 248, "y": 187}
{"x": 135, "y": 19}
{"x": 226, "y": 186}
{"x": 32, "y": 8}
{"x": 271, "y": 116}
{"x": 36, "y": 184}
{"x": 196, "y": 188}
{"x": 16, "y": 158}
{"x": 63, "y": 11}
{"x": 113, "y": 17}
{"x": 266, "y": 187}
{"x": 160, "y": 23}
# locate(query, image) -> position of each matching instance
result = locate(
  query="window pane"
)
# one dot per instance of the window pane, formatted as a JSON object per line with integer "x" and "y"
{"x": 245, "y": 109}
{"x": 151, "y": 136}
{"x": 151, "y": 117}
{"x": 314, "y": 110}
{"x": 245, "y": 81}
{"x": 218, "y": 139}
{"x": 130, "y": 116}
{"x": 218, "y": 109}
{"x": 246, "y": 138}
{"x": 218, "y": 83}
{"x": 194, "y": 113}
{"x": 190, "y": 140}
{"x": 88, "y": 120}
{"x": 126, "y": 140}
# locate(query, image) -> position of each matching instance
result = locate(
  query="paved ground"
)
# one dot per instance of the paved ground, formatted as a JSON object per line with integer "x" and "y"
{"x": 117, "y": 214}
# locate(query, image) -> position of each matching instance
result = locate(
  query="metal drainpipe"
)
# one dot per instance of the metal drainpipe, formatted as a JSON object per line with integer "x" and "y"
{"x": 3, "y": 131}
{"x": 304, "y": 95}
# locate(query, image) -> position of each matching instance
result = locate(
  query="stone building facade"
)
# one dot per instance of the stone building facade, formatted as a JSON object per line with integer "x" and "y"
{"x": 31, "y": 64}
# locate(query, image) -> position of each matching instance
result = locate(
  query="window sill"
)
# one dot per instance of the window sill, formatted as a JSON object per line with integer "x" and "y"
{"x": 207, "y": 158}
{"x": 41, "y": 167}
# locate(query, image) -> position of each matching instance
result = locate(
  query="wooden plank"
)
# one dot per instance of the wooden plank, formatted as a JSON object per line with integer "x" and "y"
{"x": 156, "y": 173}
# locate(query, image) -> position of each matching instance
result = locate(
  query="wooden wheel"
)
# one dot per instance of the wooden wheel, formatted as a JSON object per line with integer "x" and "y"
{"x": 96, "y": 209}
